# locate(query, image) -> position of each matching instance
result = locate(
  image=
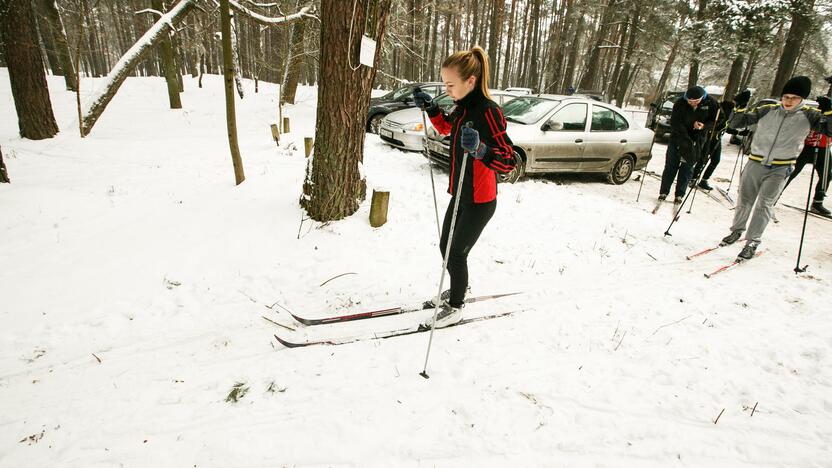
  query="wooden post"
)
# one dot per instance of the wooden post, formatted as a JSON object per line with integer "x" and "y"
{"x": 307, "y": 142}
{"x": 4, "y": 174}
{"x": 378, "y": 208}
{"x": 285, "y": 124}
{"x": 275, "y": 133}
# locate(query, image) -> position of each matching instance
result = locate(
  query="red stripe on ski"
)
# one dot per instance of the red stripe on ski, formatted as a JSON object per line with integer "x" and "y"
{"x": 730, "y": 265}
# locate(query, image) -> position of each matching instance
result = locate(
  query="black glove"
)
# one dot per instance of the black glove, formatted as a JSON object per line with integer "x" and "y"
{"x": 422, "y": 99}
{"x": 732, "y": 131}
{"x": 471, "y": 142}
{"x": 825, "y": 104}
{"x": 741, "y": 99}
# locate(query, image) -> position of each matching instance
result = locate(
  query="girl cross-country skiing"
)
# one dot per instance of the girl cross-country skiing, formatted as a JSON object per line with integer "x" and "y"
{"x": 478, "y": 133}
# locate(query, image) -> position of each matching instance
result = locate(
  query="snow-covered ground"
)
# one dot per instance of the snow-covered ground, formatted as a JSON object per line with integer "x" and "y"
{"x": 135, "y": 276}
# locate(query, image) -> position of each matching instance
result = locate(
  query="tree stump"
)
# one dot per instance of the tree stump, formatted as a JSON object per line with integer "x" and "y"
{"x": 307, "y": 143}
{"x": 378, "y": 208}
{"x": 285, "y": 124}
{"x": 4, "y": 175}
{"x": 275, "y": 133}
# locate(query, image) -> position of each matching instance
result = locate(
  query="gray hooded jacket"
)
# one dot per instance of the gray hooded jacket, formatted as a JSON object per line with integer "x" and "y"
{"x": 779, "y": 136}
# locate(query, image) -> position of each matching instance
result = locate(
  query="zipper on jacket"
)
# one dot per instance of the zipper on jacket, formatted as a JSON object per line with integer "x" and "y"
{"x": 773, "y": 143}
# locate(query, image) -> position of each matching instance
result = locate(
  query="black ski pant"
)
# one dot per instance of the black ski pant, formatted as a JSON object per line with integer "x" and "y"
{"x": 807, "y": 156}
{"x": 470, "y": 221}
{"x": 716, "y": 156}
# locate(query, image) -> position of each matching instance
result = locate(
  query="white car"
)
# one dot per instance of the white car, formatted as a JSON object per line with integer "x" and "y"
{"x": 405, "y": 130}
{"x": 554, "y": 133}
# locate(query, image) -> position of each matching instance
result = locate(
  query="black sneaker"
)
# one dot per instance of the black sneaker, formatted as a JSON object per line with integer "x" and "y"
{"x": 678, "y": 200}
{"x": 704, "y": 185}
{"x": 662, "y": 196}
{"x": 731, "y": 238}
{"x": 817, "y": 207}
{"x": 748, "y": 251}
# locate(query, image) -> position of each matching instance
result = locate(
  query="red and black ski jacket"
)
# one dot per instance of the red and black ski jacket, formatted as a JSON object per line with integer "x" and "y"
{"x": 480, "y": 182}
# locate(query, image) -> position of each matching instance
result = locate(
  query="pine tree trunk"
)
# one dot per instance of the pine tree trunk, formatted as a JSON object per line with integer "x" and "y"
{"x": 290, "y": 85}
{"x": 509, "y": 42}
{"x": 589, "y": 79}
{"x": 734, "y": 77}
{"x": 749, "y": 69}
{"x": 494, "y": 39}
{"x": 668, "y": 66}
{"x": 574, "y": 49}
{"x": 56, "y": 25}
{"x": 432, "y": 54}
{"x": 334, "y": 187}
{"x": 693, "y": 75}
{"x": 802, "y": 11}
{"x": 558, "y": 34}
{"x": 46, "y": 38}
{"x": 26, "y": 72}
{"x": 228, "y": 69}
{"x": 168, "y": 64}
{"x": 533, "y": 50}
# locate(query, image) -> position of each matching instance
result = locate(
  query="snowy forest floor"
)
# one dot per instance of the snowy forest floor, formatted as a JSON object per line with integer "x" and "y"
{"x": 135, "y": 276}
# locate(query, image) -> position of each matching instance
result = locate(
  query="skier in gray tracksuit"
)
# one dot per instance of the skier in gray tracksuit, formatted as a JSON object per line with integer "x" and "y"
{"x": 778, "y": 140}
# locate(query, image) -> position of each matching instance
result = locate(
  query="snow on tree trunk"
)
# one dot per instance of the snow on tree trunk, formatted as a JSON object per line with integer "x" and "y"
{"x": 128, "y": 62}
{"x": 235, "y": 53}
{"x": 26, "y": 74}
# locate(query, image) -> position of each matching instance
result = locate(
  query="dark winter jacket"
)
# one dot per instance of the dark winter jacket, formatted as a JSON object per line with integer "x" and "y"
{"x": 780, "y": 134}
{"x": 480, "y": 182}
{"x": 682, "y": 118}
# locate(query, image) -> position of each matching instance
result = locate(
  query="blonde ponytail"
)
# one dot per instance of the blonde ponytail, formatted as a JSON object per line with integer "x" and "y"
{"x": 469, "y": 63}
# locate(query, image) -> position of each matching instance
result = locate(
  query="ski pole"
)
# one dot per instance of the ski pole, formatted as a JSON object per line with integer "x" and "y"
{"x": 797, "y": 268}
{"x": 425, "y": 152}
{"x": 682, "y": 206}
{"x": 709, "y": 148}
{"x": 424, "y": 372}
{"x": 739, "y": 155}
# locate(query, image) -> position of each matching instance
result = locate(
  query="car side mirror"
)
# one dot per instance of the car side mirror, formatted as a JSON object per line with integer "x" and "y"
{"x": 556, "y": 126}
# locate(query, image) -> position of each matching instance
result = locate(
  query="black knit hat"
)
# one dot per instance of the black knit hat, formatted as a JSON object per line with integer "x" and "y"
{"x": 695, "y": 92}
{"x": 799, "y": 85}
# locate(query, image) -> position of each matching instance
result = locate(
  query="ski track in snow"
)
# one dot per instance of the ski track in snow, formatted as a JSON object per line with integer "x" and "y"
{"x": 133, "y": 246}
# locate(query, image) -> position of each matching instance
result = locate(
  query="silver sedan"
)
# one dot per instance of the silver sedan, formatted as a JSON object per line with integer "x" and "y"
{"x": 404, "y": 129}
{"x": 554, "y": 133}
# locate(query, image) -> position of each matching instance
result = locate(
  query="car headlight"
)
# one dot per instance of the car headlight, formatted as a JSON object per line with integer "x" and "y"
{"x": 414, "y": 126}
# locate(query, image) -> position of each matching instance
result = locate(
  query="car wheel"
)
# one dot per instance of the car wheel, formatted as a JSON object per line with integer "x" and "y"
{"x": 516, "y": 174}
{"x": 621, "y": 170}
{"x": 374, "y": 124}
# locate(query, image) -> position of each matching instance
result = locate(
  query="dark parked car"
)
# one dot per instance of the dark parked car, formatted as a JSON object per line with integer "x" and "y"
{"x": 658, "y": 117}
{"x": 396, "y": 100}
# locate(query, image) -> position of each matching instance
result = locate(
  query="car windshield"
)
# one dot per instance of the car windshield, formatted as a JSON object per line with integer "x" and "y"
{"x": 527, "y": 110}
{"x": 398, "y": 93}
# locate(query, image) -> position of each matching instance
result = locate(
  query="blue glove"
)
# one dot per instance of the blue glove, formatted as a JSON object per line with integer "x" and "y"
{"x": 825, "y": 104}
{"x": 422, "y": 99}
{"x": 471, "y": 143}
